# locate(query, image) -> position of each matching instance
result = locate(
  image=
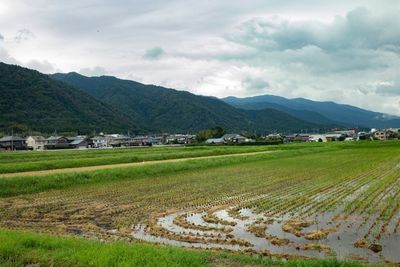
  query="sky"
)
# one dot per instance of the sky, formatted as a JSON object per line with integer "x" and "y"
{"x": 343, "y": 51}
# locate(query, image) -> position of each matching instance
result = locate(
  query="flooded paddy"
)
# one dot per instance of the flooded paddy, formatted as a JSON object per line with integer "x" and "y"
{"x": 323, "y": 235}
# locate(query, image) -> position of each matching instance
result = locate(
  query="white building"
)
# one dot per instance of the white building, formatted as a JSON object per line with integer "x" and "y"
{"x": 317, "y": 138}
{"x": 215, "y": 141}
{"x": 99, "y": 142}
{"x": 36, "y": 142}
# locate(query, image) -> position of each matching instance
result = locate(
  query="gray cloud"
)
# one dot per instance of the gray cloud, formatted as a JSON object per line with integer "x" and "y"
{"x": 23, "y": 35}
{"x": 1, "y": 37}
{"x": 255, "y": 85}
{"x": 154, "y": 53}
{"x": 388, "y": 89}
{"x": 355, "y": 42}
{"x": 358, "y": 29}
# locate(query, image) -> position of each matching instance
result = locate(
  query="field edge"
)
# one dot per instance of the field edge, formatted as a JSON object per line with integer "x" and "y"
{"x": 21, "y": 248}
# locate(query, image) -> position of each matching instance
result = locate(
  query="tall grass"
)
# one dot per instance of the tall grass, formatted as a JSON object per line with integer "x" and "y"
{"x": 23, "y": 248}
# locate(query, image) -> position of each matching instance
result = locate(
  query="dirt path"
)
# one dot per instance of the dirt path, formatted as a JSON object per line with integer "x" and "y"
{"x": 119, "y": 165}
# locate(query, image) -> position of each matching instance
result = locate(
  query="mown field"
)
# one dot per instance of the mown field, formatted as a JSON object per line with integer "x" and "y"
{"x": 318, "y": 201}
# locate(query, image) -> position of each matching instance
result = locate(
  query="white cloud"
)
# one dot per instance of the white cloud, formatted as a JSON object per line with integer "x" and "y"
{"x": 42, "y": 66}
{"x": 95, "y": 71}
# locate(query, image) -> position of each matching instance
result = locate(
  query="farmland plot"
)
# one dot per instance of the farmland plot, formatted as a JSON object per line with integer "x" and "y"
{"x": 25, "y": 161}
{"x": 341, "y": 202}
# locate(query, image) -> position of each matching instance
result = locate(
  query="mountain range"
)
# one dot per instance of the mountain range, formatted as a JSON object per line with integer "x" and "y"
{"x": 32, "y": 101}
{"x": 318, "y": 112}
{"x": 159, "y": 109}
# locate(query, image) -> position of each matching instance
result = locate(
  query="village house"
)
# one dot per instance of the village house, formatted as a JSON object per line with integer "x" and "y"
{"x": 78, "y": 143}
{"x": 36, "y": 142}
{"x": 297, "y": 138}
{"x": 57, "y": 142}
{"x": 380, "y": 135}
{"x": 141, "y": 141}
{"x": 13, "y": 143}
{"x": 156, "y": 140}
{"x": 335, "y": 137}
{"x": 363, "y": 136}
{"x": 99, "y": 142}
{"x": 179, "y": 139}
{"x": 317, "y": 138}
{"x": 236, "y": 139}
{"x": 347, "y": 133}
{"x": 119, "y": 140}
{"x": 273, "y": 136}
{"x": 386, "y": 134}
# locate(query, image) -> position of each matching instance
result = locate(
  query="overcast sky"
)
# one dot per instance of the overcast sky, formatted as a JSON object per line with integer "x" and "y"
{"x": 345, "y": 51}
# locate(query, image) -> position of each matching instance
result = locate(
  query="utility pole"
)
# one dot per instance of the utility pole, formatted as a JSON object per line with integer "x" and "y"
{"x": 12, "y": 139}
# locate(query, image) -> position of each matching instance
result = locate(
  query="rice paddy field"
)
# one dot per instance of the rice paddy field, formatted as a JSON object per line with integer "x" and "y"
{"x": 331, "y": 204}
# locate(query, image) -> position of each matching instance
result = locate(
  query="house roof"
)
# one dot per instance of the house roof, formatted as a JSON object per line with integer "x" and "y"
{"x": 155, "y": 139}
{"x": 54, "y": 138}
{"x": 229, "y": 136}
{"x": 73, "y": 138}
{"x": 121, "y": 137}
{"x": 116, "y": 136}
{"x": 330, "y": 135}
{"x": 11, "y": 138}
{"x": 77, "y": 141}
{"x": 317, "y": 136}
{"x": 215, "y": 140}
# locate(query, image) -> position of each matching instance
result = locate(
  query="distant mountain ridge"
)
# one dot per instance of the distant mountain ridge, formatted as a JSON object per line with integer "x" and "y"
{"x": 309, "y": 110}
{"x": 169, "y": 110}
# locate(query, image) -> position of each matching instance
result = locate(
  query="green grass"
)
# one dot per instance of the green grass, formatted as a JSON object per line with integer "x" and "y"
{"x": 22, "y": 248}
{"x": 46, "y": 160}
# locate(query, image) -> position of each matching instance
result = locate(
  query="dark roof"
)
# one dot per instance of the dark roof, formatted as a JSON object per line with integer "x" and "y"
{"x": 79, "y": 137}
{"x": 11, "y": 138}
{"x": 52, "y": 138}
{"x": 228, "y": 136}
{"x": 77, "y": 141}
